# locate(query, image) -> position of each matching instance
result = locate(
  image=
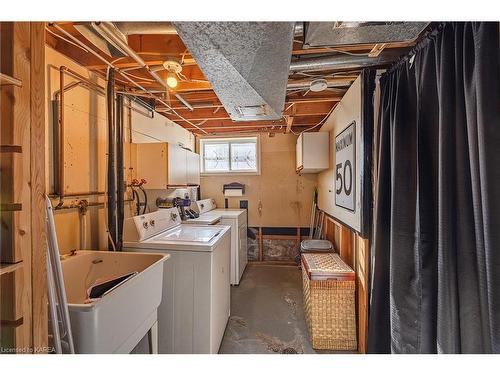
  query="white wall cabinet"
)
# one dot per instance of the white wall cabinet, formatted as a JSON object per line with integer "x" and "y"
{"x": 312, "y": 152}
{"x": 193, "y": 168}
{"x": 165, "y": 165}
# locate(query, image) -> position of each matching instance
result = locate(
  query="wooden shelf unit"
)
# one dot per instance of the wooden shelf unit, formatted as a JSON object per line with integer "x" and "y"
{"x": 11, "y": 207}
{"x": 8, "y": 80}
{"x": 9, "y": 267}
{"x": 23, "y": 293}
{"x": 11, "y": 149}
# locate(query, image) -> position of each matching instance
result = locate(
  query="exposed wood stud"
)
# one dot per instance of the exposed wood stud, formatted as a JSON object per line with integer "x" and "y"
{"x": 377, "y": 49}
{"x": 37, "y": 177}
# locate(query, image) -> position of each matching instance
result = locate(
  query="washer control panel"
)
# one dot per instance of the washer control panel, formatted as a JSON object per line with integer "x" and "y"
{"x": 142, "y": 227}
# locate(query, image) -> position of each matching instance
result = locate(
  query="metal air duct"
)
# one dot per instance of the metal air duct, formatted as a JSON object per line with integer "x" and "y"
{"x": 247, "y": 64}
{"x": 343, "y": 62}
{"x": 331, "y": 34}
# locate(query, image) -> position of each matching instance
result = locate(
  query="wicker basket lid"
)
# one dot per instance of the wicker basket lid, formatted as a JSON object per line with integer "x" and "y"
{"x": 326, "y": 266}
{"x": 321, "y": 245}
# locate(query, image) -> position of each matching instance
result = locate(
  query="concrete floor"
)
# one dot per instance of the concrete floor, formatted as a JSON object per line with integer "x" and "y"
{"x": 267, "y": 314}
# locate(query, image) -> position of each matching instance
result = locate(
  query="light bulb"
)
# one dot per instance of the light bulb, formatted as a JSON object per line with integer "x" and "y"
{"x": 172, "y": 80}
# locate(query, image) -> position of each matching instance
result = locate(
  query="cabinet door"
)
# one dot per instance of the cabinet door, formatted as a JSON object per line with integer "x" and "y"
{"x": 193, "y": 168}
{"x": 152, "y": 164}
{"x": 177, "y": 165}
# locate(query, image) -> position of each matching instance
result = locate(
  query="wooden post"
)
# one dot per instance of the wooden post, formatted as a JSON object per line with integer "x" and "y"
{"x": 362, "y": 264}
{"x": 261, "y": 245}
{"x": 346, "y": 246}
{"x": 15, "y": 187}
{"x": 38, "y": 231}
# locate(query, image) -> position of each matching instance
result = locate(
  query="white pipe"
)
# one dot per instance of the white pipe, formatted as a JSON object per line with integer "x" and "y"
{"x": 83, "y": 229}
{"x": 58, "y": 278}
{"x": 183, "y": 101}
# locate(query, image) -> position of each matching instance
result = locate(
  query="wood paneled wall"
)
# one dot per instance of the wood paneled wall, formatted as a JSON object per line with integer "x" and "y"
{"x": 278, "y": 196}
{"x": 354, "y": 250}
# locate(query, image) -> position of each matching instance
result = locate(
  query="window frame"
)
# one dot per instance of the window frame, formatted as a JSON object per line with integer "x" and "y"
{"x": 234, "y": 139}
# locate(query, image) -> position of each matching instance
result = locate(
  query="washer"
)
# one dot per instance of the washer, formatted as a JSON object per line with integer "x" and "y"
{"x": 237, "y": 220}
{"x": 195, "y": 303}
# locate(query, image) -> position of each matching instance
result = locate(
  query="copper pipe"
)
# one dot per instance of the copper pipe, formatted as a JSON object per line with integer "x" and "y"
{"x": 82, "y": 194}
{"x": 78, "y": 206}
{"x": 138, "y": 60}
{"x": 61, "y": 176}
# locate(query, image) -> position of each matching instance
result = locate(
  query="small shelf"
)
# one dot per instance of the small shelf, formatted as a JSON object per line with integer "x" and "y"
{"x": 8, "y": 80}
{"x": 9, "y": 267}
{"x": 10, "y": 148}
{"x": 11, "y": 207}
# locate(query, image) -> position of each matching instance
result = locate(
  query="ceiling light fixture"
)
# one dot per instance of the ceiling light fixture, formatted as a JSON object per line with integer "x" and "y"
{"x": 172, "y": 80}
{"x": 173, "y": 68}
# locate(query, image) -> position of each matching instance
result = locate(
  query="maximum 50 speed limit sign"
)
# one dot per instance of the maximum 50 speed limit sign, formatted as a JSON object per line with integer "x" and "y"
{"x": 345, "y": 162}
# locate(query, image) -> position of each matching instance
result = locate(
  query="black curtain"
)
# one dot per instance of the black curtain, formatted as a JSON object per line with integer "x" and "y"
{"x": 435, "y": 280}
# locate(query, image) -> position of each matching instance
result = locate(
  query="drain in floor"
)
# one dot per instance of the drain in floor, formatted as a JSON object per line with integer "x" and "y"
{"x": 276, "y": 345}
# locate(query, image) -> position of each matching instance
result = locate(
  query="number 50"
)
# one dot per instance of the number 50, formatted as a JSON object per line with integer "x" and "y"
{"x": 340, "y": 172}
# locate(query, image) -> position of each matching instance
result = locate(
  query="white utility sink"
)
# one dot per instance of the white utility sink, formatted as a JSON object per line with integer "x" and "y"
{"x": 116, "y": 322}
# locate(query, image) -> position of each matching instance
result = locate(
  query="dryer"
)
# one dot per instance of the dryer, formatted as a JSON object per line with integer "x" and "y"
{"x": 237, "y": 220}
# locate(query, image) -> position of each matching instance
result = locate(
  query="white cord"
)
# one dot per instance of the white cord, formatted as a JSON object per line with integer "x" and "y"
{"x": 347, "y": 52}
{"x": 318, "y": 124}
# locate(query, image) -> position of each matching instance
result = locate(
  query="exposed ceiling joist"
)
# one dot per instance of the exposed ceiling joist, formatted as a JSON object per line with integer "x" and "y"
{"x": 303, "y": 108}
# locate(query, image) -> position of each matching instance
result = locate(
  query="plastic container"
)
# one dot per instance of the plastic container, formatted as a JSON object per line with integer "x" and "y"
{"x": 316, "y": 246}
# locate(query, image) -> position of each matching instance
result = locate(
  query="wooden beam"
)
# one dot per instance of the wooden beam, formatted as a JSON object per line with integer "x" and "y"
{"x": 377, "y": 49}
{"x": 299, "y": 120}
{"x": 292, "y": 108}
{"x": 358, "y": 48}
{"x": 362, "y": 247}
{"x": 289, "y": 123}
{"x": 295, "y": 109}
{"x": 37, "y": 184}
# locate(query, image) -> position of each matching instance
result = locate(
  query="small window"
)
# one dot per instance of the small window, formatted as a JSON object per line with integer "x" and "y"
{"x": 229, "y": 155}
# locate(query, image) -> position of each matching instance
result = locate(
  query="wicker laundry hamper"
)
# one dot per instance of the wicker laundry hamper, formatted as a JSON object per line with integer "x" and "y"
{"x": 329, "y": 301}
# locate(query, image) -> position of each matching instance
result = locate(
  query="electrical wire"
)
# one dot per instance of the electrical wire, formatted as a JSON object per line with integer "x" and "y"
{"x": 144, "y": 80}
{"x": 146, "y": 91}
{"x": 318, "y": 124}
{"x": 183, "y": 56}
{"x": 347, "y": 52}
{"x": 145, "y": 199}
{"x": 138, "y": 204}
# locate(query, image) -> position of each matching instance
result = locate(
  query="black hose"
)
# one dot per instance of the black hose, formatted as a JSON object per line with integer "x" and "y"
{"x": 110, "y": 101}
{"x": 145, "y": 199}
{"x": 120, "y": 189}
{"x": 135, "y": 197}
